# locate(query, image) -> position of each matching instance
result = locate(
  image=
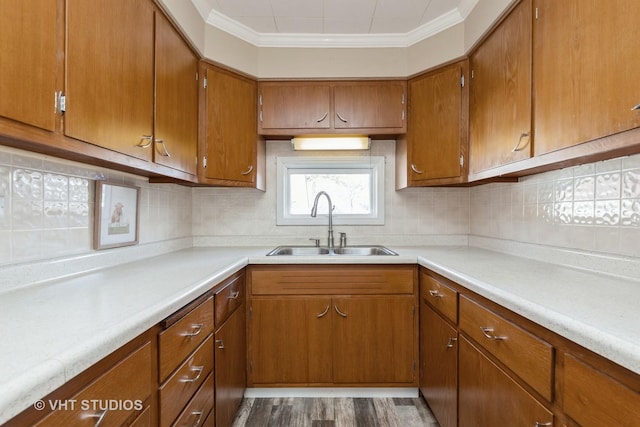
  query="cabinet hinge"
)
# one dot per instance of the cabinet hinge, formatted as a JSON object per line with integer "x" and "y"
{"x": 197, "y": 76}
{"x": 472, "y": 74}
{"x": 413, "y": 311}
{"x": 204, "y": 83}
{"x": 250, "y": 312}
{"x": 260, "y": 115}
{"x": 536, "y": 13}
{"x": 462, "y": 80}
{"x": 403, "y": 115}
{"x": 403, "y": 99}
{"x": 461, "y": 161}
{"x": 260, "y": 99}
{"x": 204, "y": 162}
{"x": 62, "y": 103}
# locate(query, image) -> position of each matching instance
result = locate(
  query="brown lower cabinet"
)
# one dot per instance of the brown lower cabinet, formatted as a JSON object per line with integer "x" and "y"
{"x": 505, "y": 370}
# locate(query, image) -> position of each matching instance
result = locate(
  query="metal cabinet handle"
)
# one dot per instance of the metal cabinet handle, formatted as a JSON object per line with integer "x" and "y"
{"x": 635, "y": 107}
{"x": 341, "y": 118}
{"x": 234, "y": 295}
{"x": 145, "y": 141}
{"x": 220, "y": 344}
{"x": 435, "y": 293}
{"x": 326, "y": 310}
{"x": 197, "y": 328}
{"x": 323, "y": 117}
{"x": 160, "y": 144}
{"x": 518, "y": 147}
{"x": 488, "y": 332}
{"x": 197, "y": 369}
{"x": 415, "y": 169}
{"x": 539, "y": 424}
{"x": 199, "y": 415}
{"x": 339, "y": 312}
{"x": 99, "y": 415}
{"x": 451, "y": 342}
{"x": 248, "y": 171}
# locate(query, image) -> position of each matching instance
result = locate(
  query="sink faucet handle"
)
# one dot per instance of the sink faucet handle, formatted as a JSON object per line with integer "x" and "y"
{"x": 343, "y": 240}
{"x": 316, "y": 242}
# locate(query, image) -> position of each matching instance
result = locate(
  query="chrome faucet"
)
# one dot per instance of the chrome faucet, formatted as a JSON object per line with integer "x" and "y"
{"x": 314, "y": 212}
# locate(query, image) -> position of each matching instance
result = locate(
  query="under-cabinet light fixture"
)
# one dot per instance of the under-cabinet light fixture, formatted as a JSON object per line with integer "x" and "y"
{"x": 338, "y": 142}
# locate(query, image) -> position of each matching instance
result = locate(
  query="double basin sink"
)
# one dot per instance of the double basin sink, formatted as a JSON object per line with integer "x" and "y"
{"x": 345, "y": 250}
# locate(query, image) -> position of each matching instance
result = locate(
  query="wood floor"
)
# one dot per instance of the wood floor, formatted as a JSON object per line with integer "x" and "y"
{"x": 334, "y": 412}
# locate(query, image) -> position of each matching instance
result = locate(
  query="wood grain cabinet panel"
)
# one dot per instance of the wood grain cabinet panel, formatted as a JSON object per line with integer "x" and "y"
{"x": 295, "y": 106}
{"x": 585, "y": 75}
{"x": 500, "y": 98}
{"x": 439, "y": 366}
{"x": 594, "y": 399}
{"x": 176, "y": 100}
{"x": 489, "y": 397}
{"x": 28, "y": 64}
{"x": 434, "y": 149}
{"x": 439, "y": 296}
{"x": 233, "y": 152}
{"x": 198, "y": 409}
{"x": 109, "y": 90}
{"x": 370, "y": 106}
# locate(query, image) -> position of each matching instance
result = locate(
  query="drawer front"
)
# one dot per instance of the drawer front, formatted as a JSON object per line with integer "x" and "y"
{"x": 182, "y": 385}
{"x": 439, "y": 296}
{"x": 527, "y": 355}
{"x": 228, "y": 299}
{"x": 113, "y": 397}
{"x": 337, "y": 280}
{"x": 594, "y": 399}
{"x": 181, "y": 338}
{"x": 200, "y": 406}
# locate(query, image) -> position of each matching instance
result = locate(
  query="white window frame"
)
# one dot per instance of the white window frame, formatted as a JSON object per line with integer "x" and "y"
{"x": 374, "y": 165}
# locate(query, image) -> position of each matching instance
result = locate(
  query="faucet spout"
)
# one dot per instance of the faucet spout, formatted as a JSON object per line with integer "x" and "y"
{"x": 314, "y": 212}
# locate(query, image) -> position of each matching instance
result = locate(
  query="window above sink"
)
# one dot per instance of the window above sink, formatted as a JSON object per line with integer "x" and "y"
{"x": 356, "y": 185}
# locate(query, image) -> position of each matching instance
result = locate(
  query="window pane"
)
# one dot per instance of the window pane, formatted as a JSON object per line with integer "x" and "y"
{"x": 350, "y": 192}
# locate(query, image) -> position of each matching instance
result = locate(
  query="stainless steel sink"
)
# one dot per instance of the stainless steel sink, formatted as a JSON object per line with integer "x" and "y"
{"x": 347, "y": 250}
{"x": 364, "y": 251}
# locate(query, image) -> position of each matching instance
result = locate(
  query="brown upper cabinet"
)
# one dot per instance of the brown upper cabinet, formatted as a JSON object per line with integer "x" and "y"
{"x": 434, "y": 149}
{"x": 585, "y": 71}
{"x": 28, "y": 42}
{"x": 109, "y": 75}
{"x": 176, "y": 106}
{"x": 500, "y": 99}
{"x": 303, "y": 107}
{"x": 233, "y": 153}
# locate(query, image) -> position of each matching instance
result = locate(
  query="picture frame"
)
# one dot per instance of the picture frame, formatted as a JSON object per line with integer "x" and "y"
{"x": 116, "y": 215}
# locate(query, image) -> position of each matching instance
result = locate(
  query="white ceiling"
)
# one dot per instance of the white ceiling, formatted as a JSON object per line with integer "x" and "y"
{"x": 334, "y": 23}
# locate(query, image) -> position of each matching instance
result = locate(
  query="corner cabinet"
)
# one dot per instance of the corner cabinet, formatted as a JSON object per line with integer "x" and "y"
{"x": 500, "y": 99}
{"x": 233, "y": 154}
{"x": 313, "y": 325}
{"x": 289, "y": 108}
{"x": 434, "y": 149}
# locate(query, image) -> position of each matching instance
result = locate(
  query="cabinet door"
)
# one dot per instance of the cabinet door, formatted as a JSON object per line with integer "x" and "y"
{"x": 295, "y": 106}
{"x": 489, "y": 397}
{"x": 436, "y": 132}
{"x": 291, "y": 340}
{"x": 230, "y": 367}
{"x": 500, "y": 99}
{"x": 28, "y": 34}
{"x": 439, "y": 366}
{"x": 370, "y": 106}
{"x": 176, "y": 105}
{"x": 373, "y": 339}
{"x": 585, "y": 75}
{"x": 109, "y": 74}
{"x": 231, "y": 138}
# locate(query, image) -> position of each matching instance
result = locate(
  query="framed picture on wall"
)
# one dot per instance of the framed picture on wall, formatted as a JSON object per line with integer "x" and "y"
{"x": 116, "y": 215}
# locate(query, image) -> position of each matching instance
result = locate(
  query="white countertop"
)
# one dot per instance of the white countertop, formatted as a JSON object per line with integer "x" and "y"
{"x": 55, "y": 330}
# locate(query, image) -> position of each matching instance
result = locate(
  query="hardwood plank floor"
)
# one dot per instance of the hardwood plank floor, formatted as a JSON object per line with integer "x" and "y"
{"x": 334, "y": 412}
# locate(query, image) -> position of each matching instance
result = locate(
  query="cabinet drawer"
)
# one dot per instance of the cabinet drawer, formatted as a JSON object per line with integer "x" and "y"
{"x": 229, "y": 298}
{"x": 181, "y": 386}
{"x": 337, "y": 280}
{"x": 128, "y": 383}
{"x": 592, "y": 398}
{"x": 181, "y": 338}
{"x": 439, "y": 296}
{"x": 528, "y": 356}
{"x": 199, "y": 407}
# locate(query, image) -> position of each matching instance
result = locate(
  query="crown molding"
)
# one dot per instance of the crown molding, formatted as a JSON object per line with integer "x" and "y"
{"x": 301, "y": 40}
